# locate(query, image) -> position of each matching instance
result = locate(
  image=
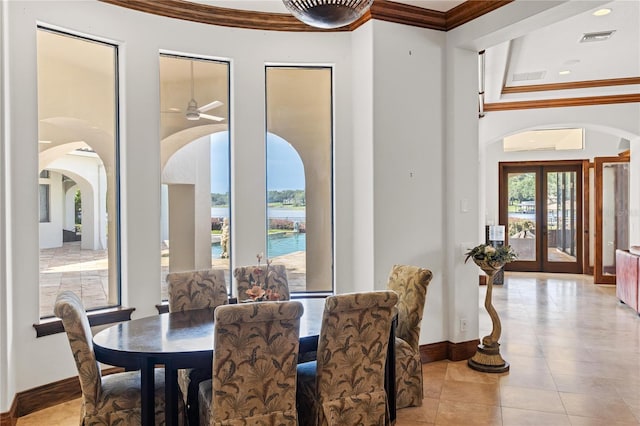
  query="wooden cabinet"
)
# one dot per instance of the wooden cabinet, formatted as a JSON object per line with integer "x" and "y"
{"x": 627, "y": 274}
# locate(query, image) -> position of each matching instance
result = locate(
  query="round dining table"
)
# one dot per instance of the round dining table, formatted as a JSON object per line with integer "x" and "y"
{"x": 185, "y": 340}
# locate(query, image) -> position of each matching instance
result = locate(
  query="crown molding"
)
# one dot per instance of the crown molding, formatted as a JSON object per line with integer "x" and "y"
{"x": 586, "y": 84}
{"x": 214, "y": 15}
{"x": 405, "y": 14}
{"x": 382, "y": 10}
{"x": 566, "y": 102}
{"x": 470, "y": 10}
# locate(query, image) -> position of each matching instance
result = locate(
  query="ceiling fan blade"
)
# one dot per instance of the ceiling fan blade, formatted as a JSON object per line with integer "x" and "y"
{"x": 211, "y": 117}
{"x": 210, "y": 105}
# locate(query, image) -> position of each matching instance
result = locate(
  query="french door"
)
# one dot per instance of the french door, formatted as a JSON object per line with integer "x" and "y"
{"x": 541, "y": 205}
{"x": 612, "y": 215}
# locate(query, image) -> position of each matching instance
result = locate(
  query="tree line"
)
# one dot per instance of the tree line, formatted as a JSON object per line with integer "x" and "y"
{"x": 291, "y": 197}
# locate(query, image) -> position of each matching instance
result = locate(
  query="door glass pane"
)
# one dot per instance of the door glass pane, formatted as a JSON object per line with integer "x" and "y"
{"x": 561, "y": 217}
{"x": 521, "y": 188}
{"x": 615, "y": 213}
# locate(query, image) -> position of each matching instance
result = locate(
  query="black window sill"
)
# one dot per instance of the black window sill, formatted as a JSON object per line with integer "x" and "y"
{"x": 51, "y": 326}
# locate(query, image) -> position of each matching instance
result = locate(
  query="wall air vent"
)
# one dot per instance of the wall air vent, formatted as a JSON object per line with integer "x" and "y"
{"x": 524, "y": 76}
{"x": 597, "y": 36}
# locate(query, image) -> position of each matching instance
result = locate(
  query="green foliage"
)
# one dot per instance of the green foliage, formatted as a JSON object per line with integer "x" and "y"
{"x": 487, "y": 252}
{"x": 522, "y": 187}
{"x": 77, "y": 201}
{"x": 288, "y": 197}
{"x": 220, "y": 200}
{"x": 518, "y": 225}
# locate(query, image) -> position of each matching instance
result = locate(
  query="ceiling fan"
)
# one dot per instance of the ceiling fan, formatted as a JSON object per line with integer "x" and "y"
{"x": 193, "y": 112}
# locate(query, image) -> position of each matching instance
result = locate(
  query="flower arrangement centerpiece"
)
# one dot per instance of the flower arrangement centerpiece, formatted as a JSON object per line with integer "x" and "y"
{"x": 258, "y": 283}
{"x": 490, "y": 257}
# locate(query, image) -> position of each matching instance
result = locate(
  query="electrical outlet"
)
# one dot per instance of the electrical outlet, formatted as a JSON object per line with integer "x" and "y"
{"x": 463, "y": 324}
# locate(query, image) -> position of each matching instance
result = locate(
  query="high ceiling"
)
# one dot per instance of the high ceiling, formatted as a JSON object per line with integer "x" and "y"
{"x": 554, "y": 55}
{"x": 524, "y": 67}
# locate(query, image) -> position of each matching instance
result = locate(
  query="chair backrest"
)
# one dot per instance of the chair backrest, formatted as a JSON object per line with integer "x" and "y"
{"x": 69, "y": 309}
{"x": 254, "y": 362}
{"x": 196, "y": 290}
{"x": 352, "y": 351}
{"x": 410, "y": 282}
{"x": 276, "y": 280}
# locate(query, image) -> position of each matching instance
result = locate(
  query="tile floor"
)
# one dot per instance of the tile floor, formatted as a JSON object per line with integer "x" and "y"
{"x": 574, "y": 353}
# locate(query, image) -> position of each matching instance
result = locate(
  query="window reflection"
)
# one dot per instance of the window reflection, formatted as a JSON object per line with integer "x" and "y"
{"x": 299, "y": 175}
{"x": 195, "y": 215}
{"x": 78, "y": 169}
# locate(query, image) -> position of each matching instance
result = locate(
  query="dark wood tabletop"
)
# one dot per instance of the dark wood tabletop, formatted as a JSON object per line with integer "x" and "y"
{"x": 185, "y": 340}
{"x": 177, "y": 340}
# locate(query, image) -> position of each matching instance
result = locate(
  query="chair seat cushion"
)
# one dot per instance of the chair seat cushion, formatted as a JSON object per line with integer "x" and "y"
{"x": 120, "y": 399}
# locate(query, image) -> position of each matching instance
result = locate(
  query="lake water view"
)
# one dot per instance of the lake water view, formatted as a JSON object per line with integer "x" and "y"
{"x": 299, "y": 214}
{"x": 277, "y": 244}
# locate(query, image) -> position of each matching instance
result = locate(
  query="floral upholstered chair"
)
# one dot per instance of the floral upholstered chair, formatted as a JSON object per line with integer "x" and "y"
{"x": 270, "y": 278}
{"x": 195, "y": 290}
{"x": 254, "y": 365}
{"x": 345, "y": 386}
{"x": 112, "y": 399}
{"x": 410, "y": 282}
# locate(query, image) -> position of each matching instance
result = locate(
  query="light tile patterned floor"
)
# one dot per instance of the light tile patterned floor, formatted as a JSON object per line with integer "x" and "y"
{"x": 574, "y": 353}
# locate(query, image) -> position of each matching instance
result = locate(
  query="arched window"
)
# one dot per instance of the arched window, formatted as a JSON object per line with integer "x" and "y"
{"x": 195, "y": 215}
{"x": 78, "y": 145}
{"x": 299, "y": 174}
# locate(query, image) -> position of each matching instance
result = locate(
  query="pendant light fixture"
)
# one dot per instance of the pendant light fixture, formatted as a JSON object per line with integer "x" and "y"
{"x": 327, "y": 13}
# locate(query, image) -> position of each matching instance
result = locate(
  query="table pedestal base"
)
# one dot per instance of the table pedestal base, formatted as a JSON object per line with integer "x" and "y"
{"x": 488, "y": 360}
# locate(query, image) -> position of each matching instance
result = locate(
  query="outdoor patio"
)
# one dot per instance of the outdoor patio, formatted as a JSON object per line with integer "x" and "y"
{"x": 85, "y": 273}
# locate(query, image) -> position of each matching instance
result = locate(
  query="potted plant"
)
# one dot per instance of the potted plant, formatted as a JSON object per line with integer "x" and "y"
{"x": 490, "y": 259}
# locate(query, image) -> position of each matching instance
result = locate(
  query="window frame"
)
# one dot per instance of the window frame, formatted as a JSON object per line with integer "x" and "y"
{"x": 330, "y": 67}
{"x": 117, "y": 312}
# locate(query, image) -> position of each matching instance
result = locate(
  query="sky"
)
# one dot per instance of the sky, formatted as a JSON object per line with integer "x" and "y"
{"x": 284, "y": 166}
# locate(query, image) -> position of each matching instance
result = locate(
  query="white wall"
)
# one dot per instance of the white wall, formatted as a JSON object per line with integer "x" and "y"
{"x": 50, "y": 232}
{"x": 29, "y": 359}
{"x": 406, "y": 158}
{"x": 191, "y": 165}
{"x": 408, "y": 140}
{"x": 361, "y": 222}
{"x": 7, "y": 381}
{"x": 87, "y": 171}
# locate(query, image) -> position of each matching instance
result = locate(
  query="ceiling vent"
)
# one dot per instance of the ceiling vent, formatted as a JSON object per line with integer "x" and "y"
{"x": 524, "y": 76}
{"x": 597, "y": 36}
